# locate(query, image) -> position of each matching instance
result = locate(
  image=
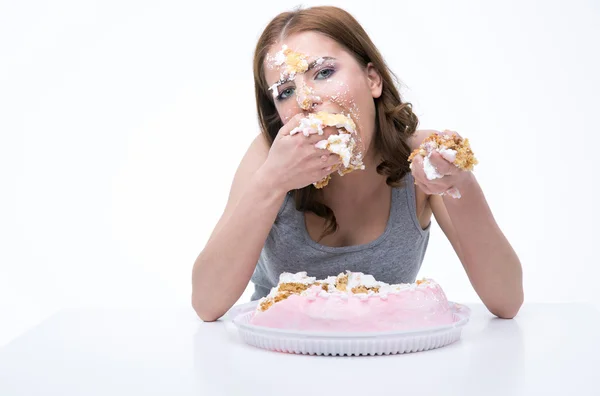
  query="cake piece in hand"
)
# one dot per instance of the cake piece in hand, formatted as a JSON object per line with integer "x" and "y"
{"x": 343, "y": 144}
{"x": 452, "y": 148}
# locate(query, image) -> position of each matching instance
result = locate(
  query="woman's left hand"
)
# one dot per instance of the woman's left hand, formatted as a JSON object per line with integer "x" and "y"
{"x": 449, "y": 176}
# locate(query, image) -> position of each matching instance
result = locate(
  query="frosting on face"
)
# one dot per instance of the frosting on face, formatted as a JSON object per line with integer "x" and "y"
{"x": 290, "y": 64}
{"x": 331, "y": 90}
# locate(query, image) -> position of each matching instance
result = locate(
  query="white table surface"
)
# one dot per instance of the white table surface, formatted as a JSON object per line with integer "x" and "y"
{"x": 548, "y": 349}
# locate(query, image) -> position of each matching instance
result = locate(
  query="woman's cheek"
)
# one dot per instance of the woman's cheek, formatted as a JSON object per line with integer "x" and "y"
{"x": 344, "y": 98}
{"x": 335, "y": 91}
{"x": 287, "y": 115}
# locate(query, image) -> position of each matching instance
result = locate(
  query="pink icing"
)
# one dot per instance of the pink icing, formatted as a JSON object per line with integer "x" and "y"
{"x": 415, "y": 308}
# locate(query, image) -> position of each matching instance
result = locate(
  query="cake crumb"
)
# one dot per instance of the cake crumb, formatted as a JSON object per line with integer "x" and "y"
{"x": 360, "y": 289}
{"x": 322, "y": 183}
{"x": 349, "y": 169}
{"x": 282, "y": 296}
{"x": 295, "y": 288}
{"x": 305, "y": 104}
{"x": 342, "y": 282}
{"x": 266, "y": 304}
{"x": 365, "y": 289}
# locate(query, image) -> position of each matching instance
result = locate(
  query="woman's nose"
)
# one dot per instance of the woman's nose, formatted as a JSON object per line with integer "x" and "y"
{"x": 307, "y": 99}
{"x": 316, "y": 101}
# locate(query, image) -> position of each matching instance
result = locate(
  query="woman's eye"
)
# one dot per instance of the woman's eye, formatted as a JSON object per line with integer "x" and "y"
{"x": 325, "y": 73}
{"x": 286, "y": 93}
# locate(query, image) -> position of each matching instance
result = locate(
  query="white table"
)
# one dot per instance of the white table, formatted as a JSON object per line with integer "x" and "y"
{"x": 549, "y": 349}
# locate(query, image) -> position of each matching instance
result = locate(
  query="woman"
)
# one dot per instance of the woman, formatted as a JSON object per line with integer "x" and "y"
{"x": 375, "y": 220}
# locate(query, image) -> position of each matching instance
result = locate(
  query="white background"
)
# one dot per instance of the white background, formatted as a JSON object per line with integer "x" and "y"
{"x": 123, "y": 122}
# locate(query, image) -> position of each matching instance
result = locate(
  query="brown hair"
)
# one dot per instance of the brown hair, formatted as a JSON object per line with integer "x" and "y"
{"x": 394, "y": 120}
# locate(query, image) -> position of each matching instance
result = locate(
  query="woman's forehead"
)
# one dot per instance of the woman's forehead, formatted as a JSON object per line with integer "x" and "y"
{"x": 311, "y": 44}
{"x": 305, "y": 45}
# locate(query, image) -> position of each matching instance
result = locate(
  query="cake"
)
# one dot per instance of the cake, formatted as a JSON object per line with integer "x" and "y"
{"x": 452, "y": 148}
{"x": 351, "y": 302}
{"x": 343, "y": 143}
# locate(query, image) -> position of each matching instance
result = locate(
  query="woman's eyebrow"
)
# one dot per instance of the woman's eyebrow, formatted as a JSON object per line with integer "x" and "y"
{"x": 318, "y": 61}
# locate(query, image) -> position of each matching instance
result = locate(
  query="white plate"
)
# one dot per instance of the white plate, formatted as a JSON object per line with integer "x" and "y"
{"x": 347, "y": 343}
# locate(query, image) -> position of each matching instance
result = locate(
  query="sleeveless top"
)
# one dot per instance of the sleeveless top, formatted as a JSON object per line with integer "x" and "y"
{"x": 394, "y": 257}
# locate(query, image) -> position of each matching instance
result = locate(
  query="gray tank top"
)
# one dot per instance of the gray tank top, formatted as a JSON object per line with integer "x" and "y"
{"x": 394, "y": 257}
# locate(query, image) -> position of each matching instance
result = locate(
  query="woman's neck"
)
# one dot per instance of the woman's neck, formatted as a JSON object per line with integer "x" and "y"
{"x": 355, "y": 188}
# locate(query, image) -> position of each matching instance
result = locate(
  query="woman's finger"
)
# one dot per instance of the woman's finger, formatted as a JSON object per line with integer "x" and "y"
{"x": 442, "y": 165}
{"x": 433, "y": 187}
{"x": 417, "y": 169}
{"x": 333, "y": 160}
{"x": 289, "y": 126}
{"x": 449, "y": 133}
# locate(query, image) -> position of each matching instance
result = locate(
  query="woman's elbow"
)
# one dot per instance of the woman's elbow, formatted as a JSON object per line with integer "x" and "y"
{"x": 507, "y": 310}
{"x": 204, "y": 311}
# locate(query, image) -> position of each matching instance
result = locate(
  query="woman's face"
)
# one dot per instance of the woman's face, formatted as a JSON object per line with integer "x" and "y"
{"x": 320, "y": 75}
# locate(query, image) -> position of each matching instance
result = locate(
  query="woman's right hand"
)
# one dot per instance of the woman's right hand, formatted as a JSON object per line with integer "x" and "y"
{"x": 294, "y": 162}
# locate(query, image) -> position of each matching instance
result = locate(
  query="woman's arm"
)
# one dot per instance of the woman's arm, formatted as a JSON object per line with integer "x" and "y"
{"x": 224, "y": 267}
{"x": 488, "y": 258}
{"x": 265, "y": 175}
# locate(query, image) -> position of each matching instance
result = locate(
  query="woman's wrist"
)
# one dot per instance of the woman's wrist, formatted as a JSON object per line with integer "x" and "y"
{"x": 468, "y": 187}
{"x": 467, "y": 181}
{"x": 269, "y": 181}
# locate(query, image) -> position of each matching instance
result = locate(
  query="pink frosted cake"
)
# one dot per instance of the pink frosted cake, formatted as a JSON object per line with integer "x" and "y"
{"x": 351, "y": 302}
